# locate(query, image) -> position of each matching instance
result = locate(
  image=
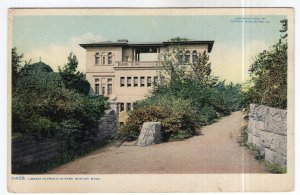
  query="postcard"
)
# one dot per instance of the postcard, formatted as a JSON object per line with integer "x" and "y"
{"x": 151, "y": 100}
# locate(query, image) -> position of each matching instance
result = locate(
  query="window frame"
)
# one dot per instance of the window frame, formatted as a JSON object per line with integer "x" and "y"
{"x": 129, "y": 83}
{"x": 149, "y": 83}
{"x": 97, "y": 58}
{"x": 109, "y": 58}
{"x": 97, "y": 88}
{"x": 122, "y": 79}
{"x": 135, "y": 81}
{"x": 128, "y": 106}
{"x": 122, "y": 107}
{"x": 180, "y": 57}
{"x": 194, "y": 56}
{"x": 142, "y": 84}
{"x": 187, "y": 56}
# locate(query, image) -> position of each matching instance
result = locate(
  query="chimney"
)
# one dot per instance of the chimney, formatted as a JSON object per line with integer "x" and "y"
{"x": 122, "y": 40}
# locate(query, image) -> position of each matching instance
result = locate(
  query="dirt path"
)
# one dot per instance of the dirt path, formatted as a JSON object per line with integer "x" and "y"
{"x": 216, "y": 151}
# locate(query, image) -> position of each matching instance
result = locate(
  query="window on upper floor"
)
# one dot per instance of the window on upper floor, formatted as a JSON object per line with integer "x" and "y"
{"x": 142, "y": 81}
{"x": 96, "y": 89}
{"x": 180, "y": 57}
{"x": 97, "y": 58}
{"x": 187, "y": 57}
{"x": 195, "y": 57}
{"x": 103, "y": 59}
{"x": 103, "y": 89}
{"x": 128, "y": 107}
{"x": 109, "y": 58}
{"x": 128, "y": 81}
{"x": 109, "y": 89}
{"x": 109, "y": 86}
{"x": 135, "y": 81}
{"x": 121, "y": 107}
{"x": 122, "y": 81}
{"x": 148, "y": 81}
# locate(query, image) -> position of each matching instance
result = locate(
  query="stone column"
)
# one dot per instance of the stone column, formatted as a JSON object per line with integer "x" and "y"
{"x": 133, "y": 55}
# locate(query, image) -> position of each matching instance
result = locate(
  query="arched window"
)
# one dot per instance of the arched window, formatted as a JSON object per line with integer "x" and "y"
{"x": 180, "y": 57}
{"x": 103, "y": 57}
{"x": 97, "y": 58}
{"x": 109, "y": 58}
{"x": 195, "y": 57}
{"x": 187, "y": 57}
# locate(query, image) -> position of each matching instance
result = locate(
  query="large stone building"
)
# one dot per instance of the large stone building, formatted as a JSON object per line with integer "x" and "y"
{"x": 126, "y": 71}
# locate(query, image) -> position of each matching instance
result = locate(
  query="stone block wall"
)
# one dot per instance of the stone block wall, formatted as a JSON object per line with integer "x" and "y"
{"x": 27, "y": 151}
{"x": 267, "y": 130}
{"x": 107, "y": 125}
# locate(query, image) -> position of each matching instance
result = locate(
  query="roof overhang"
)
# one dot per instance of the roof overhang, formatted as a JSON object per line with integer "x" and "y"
{"x": 148, "y": 44}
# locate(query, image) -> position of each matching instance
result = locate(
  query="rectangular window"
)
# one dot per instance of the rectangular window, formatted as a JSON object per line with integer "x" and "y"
{"x": 148, "y": 81}
{"x": 96, "y": 89}
{"x": 103, "y": 90}
{"x": 128, "y": 107}
{"x": 155, "y": 81}
{"x": 109, "y": 89}
{"x": 109, "y": 80}
{"x": 121, "y": 107}
{"x": 128, "y": 81}
{"x": 135, "y": 81}
{"x": 122, "y": 81}
{"x": 142, "y": 82}
{"x": 97, "y": 60}
{"x": 103, "y": 60}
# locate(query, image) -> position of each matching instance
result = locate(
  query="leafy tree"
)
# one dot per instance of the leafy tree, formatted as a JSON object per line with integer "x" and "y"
{"x": 74, "y": 79}
{"x": 201, "y": 70}
{"x": 174, "y": 68}
{"x": 42, "y": 106}
{"x": 284, "y": 28}
{"x": 269, "y": 74}
{"x": 16, "y": 65}
{"x": 178, "y": 39}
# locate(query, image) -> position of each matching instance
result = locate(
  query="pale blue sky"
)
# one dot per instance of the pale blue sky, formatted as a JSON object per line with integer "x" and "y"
{"x": 52, "y": 37}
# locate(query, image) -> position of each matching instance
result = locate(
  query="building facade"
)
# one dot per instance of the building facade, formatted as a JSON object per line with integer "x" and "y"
{"x": 126, "y": 72}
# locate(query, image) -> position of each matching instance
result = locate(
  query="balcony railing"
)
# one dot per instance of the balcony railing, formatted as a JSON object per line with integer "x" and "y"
{"x": 139, "y": 64}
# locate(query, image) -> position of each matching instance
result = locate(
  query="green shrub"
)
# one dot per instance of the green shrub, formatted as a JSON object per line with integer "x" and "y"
{"x": 206, "y": 114}
{"x": 274, "y": 168}
{"x": 210, "y": 102}
{"x": 175, "y": 115}
{"x": 43, "y": 107}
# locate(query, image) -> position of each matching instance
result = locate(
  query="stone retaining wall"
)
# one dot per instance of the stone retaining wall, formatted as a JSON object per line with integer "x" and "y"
{"x": 26, "y": 150}
{"x": 267, "y": 130}
{"x": 107, "y": 125}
